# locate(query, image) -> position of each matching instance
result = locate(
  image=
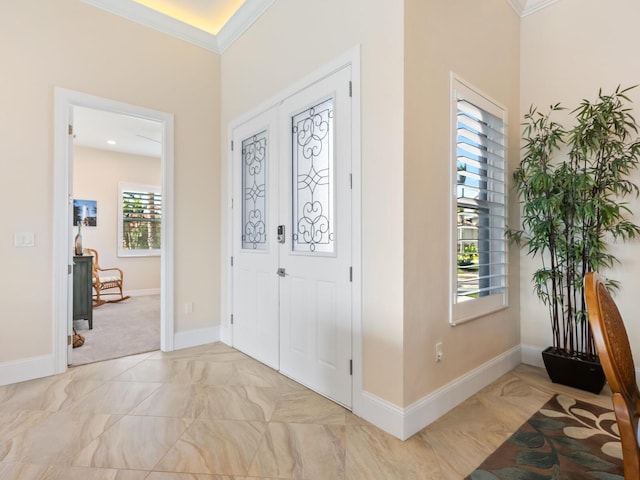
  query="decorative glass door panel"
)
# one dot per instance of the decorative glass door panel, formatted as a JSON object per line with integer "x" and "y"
{"x": 313, "y": 179}
{"x": 254, "y": 184}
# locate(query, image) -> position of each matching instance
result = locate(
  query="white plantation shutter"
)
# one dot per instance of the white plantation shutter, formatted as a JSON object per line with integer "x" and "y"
{"x": 140, "y": 220}
{"x": 480, "y": 247}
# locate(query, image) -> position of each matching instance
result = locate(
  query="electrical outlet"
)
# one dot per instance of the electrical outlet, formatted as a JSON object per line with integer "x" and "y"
{"x": 188, "y": 307}
{"x": 439, "y": 352}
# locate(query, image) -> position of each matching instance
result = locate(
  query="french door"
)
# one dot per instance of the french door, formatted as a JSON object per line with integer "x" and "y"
{"x": 292, "y": 237}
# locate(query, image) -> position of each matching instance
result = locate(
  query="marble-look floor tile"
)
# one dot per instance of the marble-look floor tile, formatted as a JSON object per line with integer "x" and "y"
{"x": 200, "y": 413}
{"x": 191, "y": 476}
{"x": 49, "y": 394}
{"x": 22, "y": 471}
{"x": 134, "y": 442}
{"x": 114, "y": 397}
{"x": 302, "y": 451}
{"x": 253, "y": 373}
{"x": 235, "y": 402}
{"x": 374, "y": 454}
{"x": 461, "y": 451}
{"x": 201, "y": 351}
{"x": 180, "y": 370}
{"x": 174, "y": 400}
{"x": 305, "y": 406}
{"x": 55, "y": 439}
{"x": 107, "y": 370}
{"x": 222, "y": 447}
{"x": 85, "y": 473}
{"x": 14, "y": 422}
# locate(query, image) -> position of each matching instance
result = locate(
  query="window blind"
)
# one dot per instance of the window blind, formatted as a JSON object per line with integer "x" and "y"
{"x": 481, "y": 202}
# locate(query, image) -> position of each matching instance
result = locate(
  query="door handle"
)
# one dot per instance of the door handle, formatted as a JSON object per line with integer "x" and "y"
{"x": 281, "y": 272}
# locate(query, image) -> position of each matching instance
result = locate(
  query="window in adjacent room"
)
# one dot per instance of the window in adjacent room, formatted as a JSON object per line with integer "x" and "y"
{"x": 140, "y": 220}
{"x": 479, "y": 204}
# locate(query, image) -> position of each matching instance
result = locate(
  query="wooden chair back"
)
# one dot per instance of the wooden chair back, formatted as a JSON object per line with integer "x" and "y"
{"x": 614, "y": 350}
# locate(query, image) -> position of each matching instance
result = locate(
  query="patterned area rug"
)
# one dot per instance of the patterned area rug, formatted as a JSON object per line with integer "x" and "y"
{"x": 566, "y": 439}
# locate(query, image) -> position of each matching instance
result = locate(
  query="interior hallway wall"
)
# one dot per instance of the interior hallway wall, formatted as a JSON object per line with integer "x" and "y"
{"x": 569, "y": 51}
{"x": 479, "y": 42}
{"x": 70, "y": 44}
{"x": 96, "y": 176}
{"x": 290, "y": 41}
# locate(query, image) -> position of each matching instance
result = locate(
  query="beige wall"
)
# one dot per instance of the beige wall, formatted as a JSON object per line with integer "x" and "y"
{"x": 70, "y": 44}
{"x": 96, "y": 175}
{"x": 569, "y": 51}
{"x": 443, "y": 37}
{"x": 294, "y": 38}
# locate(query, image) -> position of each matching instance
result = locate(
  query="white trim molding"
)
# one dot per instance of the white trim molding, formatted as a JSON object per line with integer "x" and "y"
{"x": 21, "y": 370}
{"x": 526, "y": 7}
{"x": 143, "y": 292}
{"x": 244, "y": 17}
{"x": 532, "y": 355}
{"x": 197, "y": 337}
{"x": 404, "y": 422}
{"x": 248, "y": 13}
{"x": 64, "y": 101}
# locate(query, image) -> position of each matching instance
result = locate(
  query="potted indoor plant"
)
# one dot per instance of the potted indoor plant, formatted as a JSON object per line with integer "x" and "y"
{"x": 572, "y": 185}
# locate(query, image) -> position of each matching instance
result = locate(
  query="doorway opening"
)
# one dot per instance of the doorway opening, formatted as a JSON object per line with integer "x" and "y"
{"x": 74, "y": 113}
{"x": 117, "y": 211}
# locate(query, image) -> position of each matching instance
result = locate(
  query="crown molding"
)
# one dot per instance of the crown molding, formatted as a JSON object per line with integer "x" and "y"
{"x": 248, "y": 13}
{"x": 526, "y": 7}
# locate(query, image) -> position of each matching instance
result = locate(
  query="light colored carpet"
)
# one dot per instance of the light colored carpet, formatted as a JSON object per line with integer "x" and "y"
{"x": 120, "y": 329}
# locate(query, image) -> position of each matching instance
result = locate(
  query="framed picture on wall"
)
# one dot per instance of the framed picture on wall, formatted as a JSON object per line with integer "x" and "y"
{"x": 85, "y": 212}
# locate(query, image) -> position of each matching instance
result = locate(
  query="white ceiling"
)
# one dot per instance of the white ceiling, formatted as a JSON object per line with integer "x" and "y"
{"x": 138, "y": 136}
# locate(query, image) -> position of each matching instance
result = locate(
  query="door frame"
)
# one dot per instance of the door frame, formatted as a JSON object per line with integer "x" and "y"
{"x": 349, "y": 58}
{"x": 64, "y": 101}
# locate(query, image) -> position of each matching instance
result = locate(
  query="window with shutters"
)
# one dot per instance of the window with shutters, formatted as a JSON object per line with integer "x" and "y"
{"x": 140, "y": 220}
{"x": 479, "y": 246}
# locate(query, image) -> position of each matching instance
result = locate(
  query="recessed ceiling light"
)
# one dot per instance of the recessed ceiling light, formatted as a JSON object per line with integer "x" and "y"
{"x": 111, "y": 142}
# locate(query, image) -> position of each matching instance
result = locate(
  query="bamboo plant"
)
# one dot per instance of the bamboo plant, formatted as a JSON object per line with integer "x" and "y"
{"x": 572, "y": 184}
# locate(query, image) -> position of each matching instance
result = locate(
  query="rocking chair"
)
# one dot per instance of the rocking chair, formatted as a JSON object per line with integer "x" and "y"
{"x": 105, "y": 284}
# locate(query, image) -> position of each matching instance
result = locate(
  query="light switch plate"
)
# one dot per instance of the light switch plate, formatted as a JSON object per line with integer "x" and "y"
{"x": 24, "y": 239}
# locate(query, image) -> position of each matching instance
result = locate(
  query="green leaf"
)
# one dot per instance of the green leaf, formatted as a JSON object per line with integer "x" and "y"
{"x": 571, "y": 444}
{"x": 536, "y": 459}
{"x": 546, "y": 423}
{"x": 482, "y": 475}
{"x": 527, "y": 439}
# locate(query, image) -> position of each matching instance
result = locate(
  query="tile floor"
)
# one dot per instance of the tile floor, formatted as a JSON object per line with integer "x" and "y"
{"x": 212, "y": 413}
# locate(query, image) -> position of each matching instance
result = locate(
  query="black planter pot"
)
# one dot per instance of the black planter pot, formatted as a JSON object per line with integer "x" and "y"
{"x": 576, "y": 371}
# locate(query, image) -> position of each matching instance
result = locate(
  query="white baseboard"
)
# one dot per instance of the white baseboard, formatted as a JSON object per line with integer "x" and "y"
{"x": 27, "y": 369}
{"x": 195, "y": 338}
{"x": 404, "y": 422}
{"x": 532, "y": 355}
{"x": 143, "y": 292}
{"x": 225, "y": 335}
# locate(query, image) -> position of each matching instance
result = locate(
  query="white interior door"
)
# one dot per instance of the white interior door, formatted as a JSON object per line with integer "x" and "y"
{"x": 315, "y": 199}
{"x": 291, "y": 210}
{"x": 255, "y": 249}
